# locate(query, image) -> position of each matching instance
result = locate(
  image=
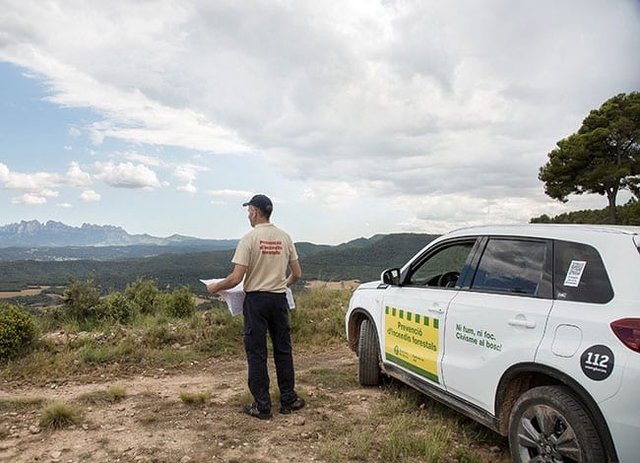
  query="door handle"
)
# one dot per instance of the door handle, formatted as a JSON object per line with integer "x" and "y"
{"x": 522, "y": 323}
{"x": 436, "y": 308}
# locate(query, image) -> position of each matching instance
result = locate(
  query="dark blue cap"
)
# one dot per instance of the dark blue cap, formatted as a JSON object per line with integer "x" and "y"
{"x": 261, "y": 202}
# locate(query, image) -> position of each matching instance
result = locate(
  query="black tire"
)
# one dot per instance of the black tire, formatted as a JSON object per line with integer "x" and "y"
{"x": 369, "y": 373}
{"x": 548, "y": 424}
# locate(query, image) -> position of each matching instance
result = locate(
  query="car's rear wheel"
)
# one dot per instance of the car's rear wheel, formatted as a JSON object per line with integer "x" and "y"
{"x": 547, "y": 424}
{"x": 369, "y": 373}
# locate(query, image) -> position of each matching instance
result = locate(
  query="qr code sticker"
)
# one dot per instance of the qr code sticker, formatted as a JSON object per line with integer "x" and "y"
{"x": 574, "y": 273}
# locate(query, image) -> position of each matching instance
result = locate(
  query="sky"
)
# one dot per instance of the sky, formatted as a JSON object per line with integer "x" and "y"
{"x": 356, "y": 117}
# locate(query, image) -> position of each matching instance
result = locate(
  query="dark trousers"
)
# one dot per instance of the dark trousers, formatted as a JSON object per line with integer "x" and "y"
{"x": 268, "y": 312}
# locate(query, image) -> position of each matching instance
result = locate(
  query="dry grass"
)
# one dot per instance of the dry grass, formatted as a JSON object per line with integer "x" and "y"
{"x": 59, "y": 415}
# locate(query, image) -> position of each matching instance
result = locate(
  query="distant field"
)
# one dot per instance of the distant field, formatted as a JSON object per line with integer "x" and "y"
{"x": 349, "y": 284}
{"x": 24, "y": 292}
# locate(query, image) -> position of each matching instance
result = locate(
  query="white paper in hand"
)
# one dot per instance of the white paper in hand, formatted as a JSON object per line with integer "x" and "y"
{"x": 234, "y": 297}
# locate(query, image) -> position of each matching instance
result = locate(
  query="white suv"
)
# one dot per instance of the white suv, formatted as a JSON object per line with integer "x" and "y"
{"x": 531, "y": 330}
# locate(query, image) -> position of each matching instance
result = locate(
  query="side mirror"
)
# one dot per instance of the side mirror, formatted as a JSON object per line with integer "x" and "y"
{"x": 391, "y": 277}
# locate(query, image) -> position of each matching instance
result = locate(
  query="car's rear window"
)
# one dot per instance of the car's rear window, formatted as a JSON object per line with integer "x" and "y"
{"x": 579, "y": 274}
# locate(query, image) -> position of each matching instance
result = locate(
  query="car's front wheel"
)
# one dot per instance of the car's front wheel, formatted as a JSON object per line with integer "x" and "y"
{"x": 547, "y": 424}
{"x": 368, "y": 355}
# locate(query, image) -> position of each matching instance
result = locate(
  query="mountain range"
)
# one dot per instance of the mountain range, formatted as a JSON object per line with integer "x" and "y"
{"x": 56, "y": 241}
{"x": 52, "y": 233}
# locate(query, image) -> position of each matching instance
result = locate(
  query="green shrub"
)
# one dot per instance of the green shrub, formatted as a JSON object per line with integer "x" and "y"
{"x": 17, "y": 331}
{"x": 117, "y": 307}
{"x": 159, "y": 336}
{"x": 180, "y": 303}
{"x": 81, "y": 299}
{"x": 145, "y": 295}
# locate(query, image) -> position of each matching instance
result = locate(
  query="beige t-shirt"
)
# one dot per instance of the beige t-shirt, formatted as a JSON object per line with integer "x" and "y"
{"x": 266, "y": 252}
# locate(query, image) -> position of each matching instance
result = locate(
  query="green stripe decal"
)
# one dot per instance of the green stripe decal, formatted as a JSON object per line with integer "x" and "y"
{"x": 412, "y": 367}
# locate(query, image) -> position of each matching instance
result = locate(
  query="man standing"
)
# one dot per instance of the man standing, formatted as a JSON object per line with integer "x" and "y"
{"x": 262, "y": 258}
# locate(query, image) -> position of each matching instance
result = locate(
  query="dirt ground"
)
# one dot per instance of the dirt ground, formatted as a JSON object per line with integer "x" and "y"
{"x": 152, "y": 424}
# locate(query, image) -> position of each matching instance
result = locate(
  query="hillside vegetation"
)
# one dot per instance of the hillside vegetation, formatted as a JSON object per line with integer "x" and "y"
{"x": 628, "y": 214}
{"x": 362, "y": 260}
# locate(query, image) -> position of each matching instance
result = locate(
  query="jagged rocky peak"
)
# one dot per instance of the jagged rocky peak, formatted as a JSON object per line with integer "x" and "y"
{"x": 23, "y": 227}
{"x": 53, "y": 233}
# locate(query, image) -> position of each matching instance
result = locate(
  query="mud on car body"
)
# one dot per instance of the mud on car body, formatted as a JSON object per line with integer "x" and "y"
{"x": 531, "y": 330}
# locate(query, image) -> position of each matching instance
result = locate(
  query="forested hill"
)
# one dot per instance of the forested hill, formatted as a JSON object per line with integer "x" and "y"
{"x": 361, "y": 259}
{"x": 364, "y": 260}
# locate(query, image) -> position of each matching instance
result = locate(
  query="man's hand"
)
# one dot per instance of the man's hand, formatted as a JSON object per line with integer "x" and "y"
{"x": 212, "y": 288}
{"x": 231, "y": 281}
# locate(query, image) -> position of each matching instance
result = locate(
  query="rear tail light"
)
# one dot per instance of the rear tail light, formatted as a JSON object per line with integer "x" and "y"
{"x": 628, "y": 331}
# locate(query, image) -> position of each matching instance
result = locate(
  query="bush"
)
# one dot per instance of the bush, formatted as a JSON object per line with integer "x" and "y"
{"x": 81, "y": 299}
{"x": 159, "y": 336}
{"x": 17, "y": 331}
{"x": 180, "y": 303}
{"x": 145, "y": 295}
{"x": 117, "y": 307}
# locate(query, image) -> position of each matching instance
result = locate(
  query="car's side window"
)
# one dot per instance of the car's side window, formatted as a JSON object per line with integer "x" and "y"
{"x": 513, "y": 266}
{"x": 579, "y": 274}
{"x": 442, "y": 267}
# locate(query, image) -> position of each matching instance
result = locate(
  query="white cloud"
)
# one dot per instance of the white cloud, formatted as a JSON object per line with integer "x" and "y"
{"x": 134, "y": 156}
{"x": 4, "y": 173}
{"x": 188, "y": 188}
{"x": 231, "y": 193}
{"x": 89, "y": 196}
{"x": 30, "y": 182}
{"x": 127, "y": 175}
{"x": 338, "y": 194}
{"x": 34, "y": 198}
{"x": 28, "y": 199}
{"x": 188, "y": 172}
{"x": 77, "y": 177}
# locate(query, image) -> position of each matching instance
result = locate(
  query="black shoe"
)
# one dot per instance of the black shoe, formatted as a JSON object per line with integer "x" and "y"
{"x": 297, "y": 405}
{"x": 252, "y": 410}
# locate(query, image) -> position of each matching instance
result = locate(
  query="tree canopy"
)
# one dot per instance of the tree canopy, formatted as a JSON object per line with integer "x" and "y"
{"x": 602, "y": 157}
